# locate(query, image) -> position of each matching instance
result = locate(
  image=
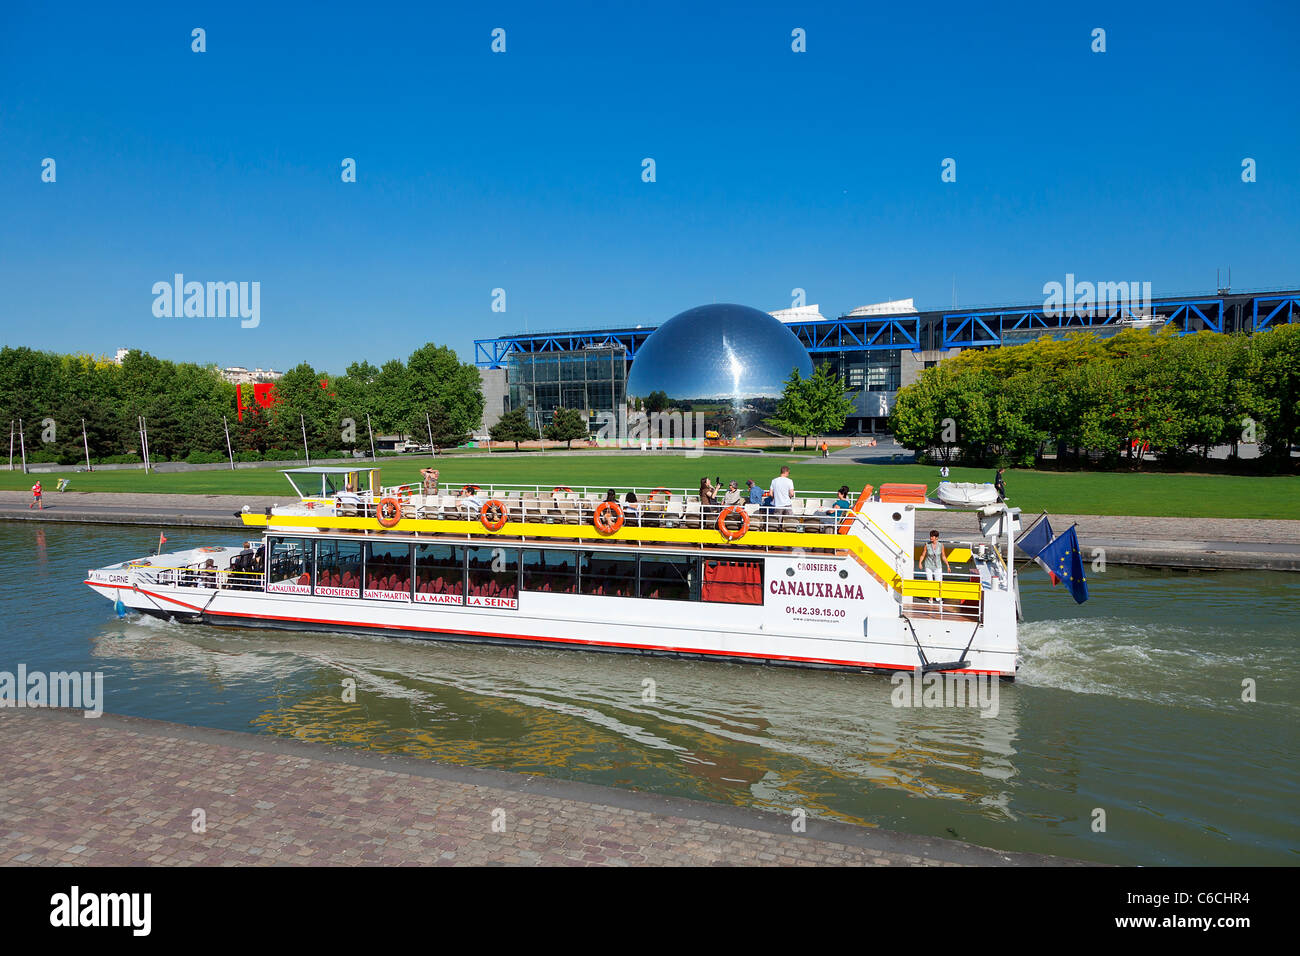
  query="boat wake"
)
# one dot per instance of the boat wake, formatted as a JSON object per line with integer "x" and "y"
{"x": 1161, "y": 663}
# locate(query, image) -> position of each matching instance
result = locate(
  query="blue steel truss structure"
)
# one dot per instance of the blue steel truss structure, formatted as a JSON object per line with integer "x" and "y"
{"x": 976, "y": 328}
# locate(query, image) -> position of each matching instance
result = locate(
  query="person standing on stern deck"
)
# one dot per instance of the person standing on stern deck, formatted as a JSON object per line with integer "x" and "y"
{"x": 934, "y": 554}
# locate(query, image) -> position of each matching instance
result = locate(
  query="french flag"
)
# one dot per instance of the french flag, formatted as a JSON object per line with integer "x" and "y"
{"x": 1034, "y": 541}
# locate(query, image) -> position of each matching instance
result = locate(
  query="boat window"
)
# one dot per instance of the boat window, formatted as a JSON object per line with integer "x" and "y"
{"x": 667, "y": 577}
{"x": 733, "y": 581}
{"x": 439, "y": 574}
{"x": 290, "y": 565}
{"x": 338, "y": 568}
{"x": 546, "y": 569}
{"x": 493, "y": 576}
{"x": 608, "y": 573}
{"x": 388, "y": 572}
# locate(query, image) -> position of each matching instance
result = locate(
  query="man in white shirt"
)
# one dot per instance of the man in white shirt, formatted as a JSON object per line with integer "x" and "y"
{"x": 783, "y": 492}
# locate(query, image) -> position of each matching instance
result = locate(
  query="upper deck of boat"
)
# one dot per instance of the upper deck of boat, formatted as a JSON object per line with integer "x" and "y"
{"x": 657, "y": 516}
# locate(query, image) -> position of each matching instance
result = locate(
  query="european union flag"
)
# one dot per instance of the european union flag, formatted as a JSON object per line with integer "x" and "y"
{"x": 1064, "y": 559}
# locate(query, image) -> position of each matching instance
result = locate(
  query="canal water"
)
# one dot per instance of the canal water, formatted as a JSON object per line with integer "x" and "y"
{"x": 1128, "y": 706}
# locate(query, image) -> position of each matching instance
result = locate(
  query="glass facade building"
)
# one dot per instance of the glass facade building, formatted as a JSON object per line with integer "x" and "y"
{"x": 592, "y": 381}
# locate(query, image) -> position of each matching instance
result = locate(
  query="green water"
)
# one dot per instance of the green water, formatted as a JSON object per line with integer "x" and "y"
{"x": 1131, "y": 705}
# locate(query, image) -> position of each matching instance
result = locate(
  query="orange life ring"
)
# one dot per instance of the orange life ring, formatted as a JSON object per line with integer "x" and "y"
{"x": 732, "y": 534}
{"x": 389, "y": 512}
{"x": 493, "y": 514}
{"x": 560, "y": 488}
{"x": 603, "y": 520}
{"x": 661, "y": 490}
{"x": 469, "y": 489}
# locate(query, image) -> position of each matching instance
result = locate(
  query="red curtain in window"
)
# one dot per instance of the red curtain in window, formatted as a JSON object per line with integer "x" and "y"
{"x": 733, "y": 582}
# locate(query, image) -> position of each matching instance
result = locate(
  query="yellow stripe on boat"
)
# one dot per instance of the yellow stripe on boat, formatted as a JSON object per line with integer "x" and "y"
{"x": 956, "y": 590}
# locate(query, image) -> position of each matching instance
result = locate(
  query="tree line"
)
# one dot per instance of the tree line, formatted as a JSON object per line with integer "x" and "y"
{"x": 1102, "y": 401}
{"x": 184, "y": 405}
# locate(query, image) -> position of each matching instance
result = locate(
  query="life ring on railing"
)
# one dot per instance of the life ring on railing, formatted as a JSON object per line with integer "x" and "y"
{"x": 608, "y": 517}
{"x": 389, "y": 512}
{"x": 209, "y": 550}
{"x": 558, "y": 488}
{"x": 661, "y": 490}
{"x": 733, "y": 534}
{"x": 493, "y": 514}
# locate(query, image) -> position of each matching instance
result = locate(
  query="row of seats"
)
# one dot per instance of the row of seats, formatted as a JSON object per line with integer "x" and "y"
{"x": 672, "y": 513}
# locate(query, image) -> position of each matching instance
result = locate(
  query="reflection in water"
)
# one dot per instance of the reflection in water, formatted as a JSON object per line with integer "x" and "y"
{"x": 1130, "y": 702}
{"x": 774, "y": 737}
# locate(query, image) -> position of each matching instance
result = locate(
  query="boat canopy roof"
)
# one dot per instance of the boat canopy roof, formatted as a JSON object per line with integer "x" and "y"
{"x": 325, "y": 481}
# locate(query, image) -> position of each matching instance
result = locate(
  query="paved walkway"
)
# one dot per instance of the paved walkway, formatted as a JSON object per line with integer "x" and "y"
{"x": 114, "y": 791}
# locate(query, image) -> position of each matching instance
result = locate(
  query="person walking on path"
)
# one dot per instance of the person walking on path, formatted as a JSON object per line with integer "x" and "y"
{"x": 36, "y": 498}
{"x": 1000, "y": 485}
{"x": 826, "y": 449}
{"x": 930, "y": 560}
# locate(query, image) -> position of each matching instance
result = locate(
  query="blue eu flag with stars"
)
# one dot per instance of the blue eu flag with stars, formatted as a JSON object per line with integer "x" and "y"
{"x": 1063, "y": 558}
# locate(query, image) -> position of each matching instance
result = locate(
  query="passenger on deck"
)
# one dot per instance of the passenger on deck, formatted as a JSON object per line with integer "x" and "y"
{"x": 755, "y": 492}
{"x": 839, "y": 509}
{"x": 468, "y": 499}
{"x": 934, "y": 553}
{"x": 611, "y": 495}
{"x": 783, "y": 492}
{"x": 708, "y": 493}
{"x": 631, "y": 509}
{"x": 733, "y": 496}
{"x": 209, "y": 576}
{"x": 430, "y": 481}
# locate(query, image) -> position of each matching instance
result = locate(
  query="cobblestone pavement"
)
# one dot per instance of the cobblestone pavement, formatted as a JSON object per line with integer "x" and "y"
{"x": 123, "y": 791}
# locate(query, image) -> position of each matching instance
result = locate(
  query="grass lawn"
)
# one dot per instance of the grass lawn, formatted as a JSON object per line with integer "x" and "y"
{"x": 1190, "y": 496}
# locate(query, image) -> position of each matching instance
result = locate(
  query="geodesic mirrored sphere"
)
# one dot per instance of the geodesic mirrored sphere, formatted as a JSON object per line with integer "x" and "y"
{"x": 729, "y": 362}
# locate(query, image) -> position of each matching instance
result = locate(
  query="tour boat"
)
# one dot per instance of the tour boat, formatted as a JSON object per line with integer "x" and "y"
{"x": 563, "y": 567}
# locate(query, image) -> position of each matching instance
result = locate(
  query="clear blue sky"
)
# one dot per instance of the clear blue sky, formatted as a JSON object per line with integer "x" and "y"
{"x": 522, "y": 170}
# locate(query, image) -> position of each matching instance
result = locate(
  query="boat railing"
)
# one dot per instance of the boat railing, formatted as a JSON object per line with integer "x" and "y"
{"x": 582, "y": 492}
{"x": 659, "y": 507}
{"x": 674, "y": 510}
{"x": 194, "y": 576}
{"x": 931, "y": 598}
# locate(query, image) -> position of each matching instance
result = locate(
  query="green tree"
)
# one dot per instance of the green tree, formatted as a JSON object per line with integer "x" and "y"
{"x": 435, "y": 373}
{"x": 656, "y": 401}
{"x": 827, "y": 401}
{"x": 447, "y": 431}
{"x": 1271, "y": 396}
{"x": 513, "y": 426}
{"x": 567, "y": 426}
{"x": 795, "y": 415}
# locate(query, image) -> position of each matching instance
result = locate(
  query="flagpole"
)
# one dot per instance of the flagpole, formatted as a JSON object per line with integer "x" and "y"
{"x": 225, "y": 423}
{"x": 85, "y": 442}
{"x": 1031, "y": 525}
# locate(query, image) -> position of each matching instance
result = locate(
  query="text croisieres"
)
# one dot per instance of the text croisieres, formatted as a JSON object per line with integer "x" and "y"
{"x": 815, "y": 589}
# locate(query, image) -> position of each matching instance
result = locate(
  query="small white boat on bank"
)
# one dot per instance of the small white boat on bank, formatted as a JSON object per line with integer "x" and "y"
{"x": 966, "y": 494}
